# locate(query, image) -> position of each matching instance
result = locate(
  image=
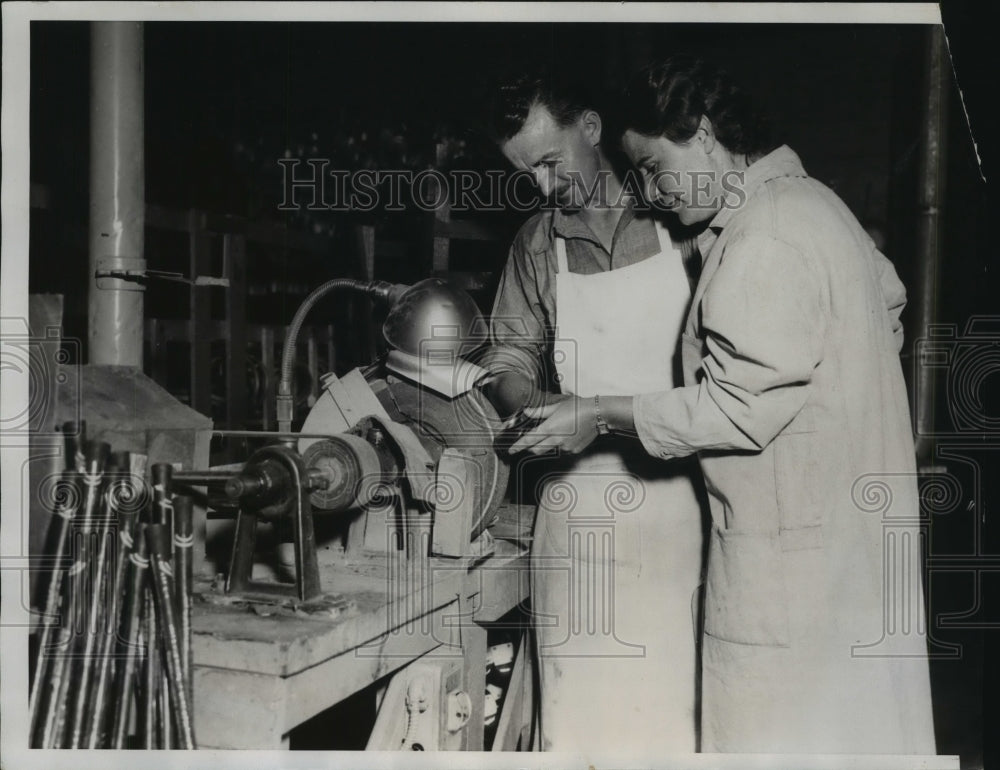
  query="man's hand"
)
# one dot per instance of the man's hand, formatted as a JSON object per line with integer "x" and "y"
{"x": 569, "y": 425}
{"x": 509, "y": 392}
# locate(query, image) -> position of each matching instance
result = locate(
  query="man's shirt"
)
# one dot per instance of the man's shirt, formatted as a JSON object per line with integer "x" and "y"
{"x": 524, "y": 314}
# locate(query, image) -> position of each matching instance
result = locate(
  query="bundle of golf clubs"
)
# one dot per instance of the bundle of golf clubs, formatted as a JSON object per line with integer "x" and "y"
{"x": 113, "y": 661}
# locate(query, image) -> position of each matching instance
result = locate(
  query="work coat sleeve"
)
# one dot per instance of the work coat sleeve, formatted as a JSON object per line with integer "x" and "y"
{"x": 518, "y": 321}
{"x": 893, "y": 292}
{"x": 764, "y": 316}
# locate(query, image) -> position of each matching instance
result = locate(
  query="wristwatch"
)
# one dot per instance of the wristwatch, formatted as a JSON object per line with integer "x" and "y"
{"x": 602, "y": 425}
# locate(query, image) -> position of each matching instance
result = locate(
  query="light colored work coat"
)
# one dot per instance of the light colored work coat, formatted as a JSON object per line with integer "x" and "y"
{"x": 794, "y": 401}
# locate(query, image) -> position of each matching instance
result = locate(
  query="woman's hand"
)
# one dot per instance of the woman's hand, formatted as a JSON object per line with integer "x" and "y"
{"x": 569, "y": 425}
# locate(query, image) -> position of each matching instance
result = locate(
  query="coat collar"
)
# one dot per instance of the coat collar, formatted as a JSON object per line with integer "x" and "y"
{"x": 782, "y": 162}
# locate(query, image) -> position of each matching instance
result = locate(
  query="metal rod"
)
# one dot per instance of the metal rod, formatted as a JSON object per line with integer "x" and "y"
{"x": 59, "y": 681}
{"x": 95, "y": 454}
{"x": 75, "y": 435}
{"x": 266, "y": 434}
{"x": 166, "y": 723}
{"x": 95, "y": 459}
{"x": 67, "y": 495}
{"x": 150, "y": 679}
{"x": 96, "y": 621}
{"x": 91, "y": 644}
{"x": 161, "y": 475}
{"x": 138, "y": 565}
{"x": 163, "y": 514}
{"x": 158, "y": 539}
{"x": 202, "y": 478}
{"x": 151, "y": 673}
{"x": 126, "y": 496}
{"x": 184, "y": 580}
{"x": 57, "y": 684}
{"x": 66, "y": 666}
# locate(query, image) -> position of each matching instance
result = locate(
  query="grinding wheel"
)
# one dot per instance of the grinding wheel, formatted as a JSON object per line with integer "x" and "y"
{"x": 468, "y": 423}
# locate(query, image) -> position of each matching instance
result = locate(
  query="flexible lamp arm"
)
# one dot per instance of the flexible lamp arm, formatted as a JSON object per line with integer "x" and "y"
{"x": 378, "y": 290}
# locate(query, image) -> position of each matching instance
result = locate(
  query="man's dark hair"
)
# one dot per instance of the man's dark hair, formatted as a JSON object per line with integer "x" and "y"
{"x": 565, "y": 98}
{"x": 669, "y": 98}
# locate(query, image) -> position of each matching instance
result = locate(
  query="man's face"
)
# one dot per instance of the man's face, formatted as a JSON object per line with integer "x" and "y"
{"x": 564, "y": 160}
{"x": 679, "y": 177}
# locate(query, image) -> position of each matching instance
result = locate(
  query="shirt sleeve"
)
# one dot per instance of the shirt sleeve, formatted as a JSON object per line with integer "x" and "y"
{"x": 763, "y": 322}
{"x": 518, "y": 322}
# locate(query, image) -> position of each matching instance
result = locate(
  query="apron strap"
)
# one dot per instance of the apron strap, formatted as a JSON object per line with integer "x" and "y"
{"x": 562, "y": 265}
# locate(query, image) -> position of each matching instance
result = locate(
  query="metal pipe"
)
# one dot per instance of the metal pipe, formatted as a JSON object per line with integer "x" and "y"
{"x": 261, "y": 434}
{"x": 166, "y": 723}
{"x": 139, "y": 568}
{"x": 66, "y": 670}
{"x": 202, "y": 478}
{"x": 149, "y": 678}
{"x": 158, "y": 539}
{"x": 68, "y": 497}
{"x": 932, "y": 183}
{"x": 75, "y": 437}
{"x": 163, "y": 514}
{"x": 96, "y": 621}
{"x": 95, "y": 458}
{"x": 58, "y": 687}
{"x": 151, "y": 674}
{"x": 161, "y": 475}
{"x": 117, "y": 192}
{"x": 184, "y": 580}
{"x": 126, "y": 497}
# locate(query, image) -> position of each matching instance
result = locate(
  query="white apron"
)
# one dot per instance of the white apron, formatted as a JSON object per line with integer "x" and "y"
{"x": 617, "y": 552}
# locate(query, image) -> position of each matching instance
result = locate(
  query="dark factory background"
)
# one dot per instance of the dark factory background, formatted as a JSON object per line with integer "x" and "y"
{"x": 226, "y": 101}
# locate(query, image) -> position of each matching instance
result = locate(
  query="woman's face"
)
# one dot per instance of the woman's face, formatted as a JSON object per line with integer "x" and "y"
{"x": 681, "y": 177}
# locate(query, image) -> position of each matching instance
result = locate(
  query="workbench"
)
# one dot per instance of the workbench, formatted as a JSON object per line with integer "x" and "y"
{"x": 257, "y": 675}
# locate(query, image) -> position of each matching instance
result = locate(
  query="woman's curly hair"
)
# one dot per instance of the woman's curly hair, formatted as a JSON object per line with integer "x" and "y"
{"x": 670, "y": 97}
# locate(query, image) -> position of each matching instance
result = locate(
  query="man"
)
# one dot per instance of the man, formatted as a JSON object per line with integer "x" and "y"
{"x": 795, "y": 404}
{"x": 601, "y": 292}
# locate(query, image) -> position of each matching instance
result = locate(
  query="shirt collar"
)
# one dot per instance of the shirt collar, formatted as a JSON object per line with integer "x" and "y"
{"x": 782, "y": 162}
{"x": 571, "y": 224}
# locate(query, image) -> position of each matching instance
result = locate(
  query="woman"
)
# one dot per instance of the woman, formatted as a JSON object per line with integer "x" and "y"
{"x": 795, "y": 404}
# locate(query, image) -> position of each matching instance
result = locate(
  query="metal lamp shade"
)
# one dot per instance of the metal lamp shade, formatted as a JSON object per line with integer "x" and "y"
{"x": 435, "y": 321}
